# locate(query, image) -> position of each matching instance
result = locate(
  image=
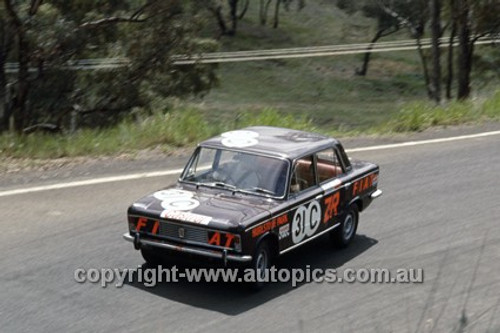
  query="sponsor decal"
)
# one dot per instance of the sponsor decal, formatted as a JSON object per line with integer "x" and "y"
{"x": 306, "y": 221}
{"x": 172, "y": 193}
{"x": 363, "y": 184}
{"x": 331, "y": 206}
{"x": 185, "y": 216}
{"x": 239, "y": 139}
{"x": 178, "y": 200}
{"x": 142, "y": 223}
{"x": 269, "y": 225}
{"x": 220, "y": 239}
{"x": 284, "y": 231}
{"x": 180, "y": 204}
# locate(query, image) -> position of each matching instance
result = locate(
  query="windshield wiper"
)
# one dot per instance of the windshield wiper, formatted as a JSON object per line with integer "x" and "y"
{"x": 262, "y": 190}
{"x": 221, "y": 184}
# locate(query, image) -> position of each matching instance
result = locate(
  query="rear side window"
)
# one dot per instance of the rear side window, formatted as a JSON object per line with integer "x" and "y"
{"x": 344, "y": 158}
{"x": 328, "y": 165}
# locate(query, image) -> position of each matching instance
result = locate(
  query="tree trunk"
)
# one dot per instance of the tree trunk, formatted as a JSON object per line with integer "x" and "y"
{"x": 3, "y": 80}
{"x": 19, "y": 107}
{"x": 449, "y": 76}
{"x": 276, "y": 14}
{"x": 264, "y": 7}
{"x": 366, "y": 59}
{"x": 233, "y": 11}
{"x": 435, "y": 79}
{"x": 244, "y": 10}
{"x": 217, "y": 12}
{"x": 261, "y": 12}
{"x": 464, "y": 63}
{"x": 425, "y": 68}
{"x": 4, "y": 121}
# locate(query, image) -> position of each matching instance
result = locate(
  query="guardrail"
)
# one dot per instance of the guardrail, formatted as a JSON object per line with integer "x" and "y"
{"x": 260, "y": 55}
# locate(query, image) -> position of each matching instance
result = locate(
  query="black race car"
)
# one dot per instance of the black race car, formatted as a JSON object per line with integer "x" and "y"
{"x": 250, "y": 195}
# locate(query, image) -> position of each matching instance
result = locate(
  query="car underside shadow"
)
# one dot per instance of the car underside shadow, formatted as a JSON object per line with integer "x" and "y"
{"x": 233, "y": 298}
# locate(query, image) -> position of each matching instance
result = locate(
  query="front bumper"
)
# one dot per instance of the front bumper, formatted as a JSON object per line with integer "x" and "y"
{"x": 376, "y": 194}
{"x": 223, "y": 255}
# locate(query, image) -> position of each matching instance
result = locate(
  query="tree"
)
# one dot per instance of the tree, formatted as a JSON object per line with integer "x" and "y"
{"x": 474, "y": 19}
{"x": 48, "y": 37}
{"x": 5, "y": 47}
{"x": 18, "y": 107}
{"x": 235, "y": 13}
{"x": 468, "y": 21}
{"x": 450, "y": 55}
{"x": 436, "y": 33}
{"x": 386, "y": 25}
{"x": 412, "y": 14}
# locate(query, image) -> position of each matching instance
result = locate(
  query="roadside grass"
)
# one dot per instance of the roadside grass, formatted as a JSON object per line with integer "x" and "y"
{"x": 418, "y": 116}
{"x": 168, "y": 131}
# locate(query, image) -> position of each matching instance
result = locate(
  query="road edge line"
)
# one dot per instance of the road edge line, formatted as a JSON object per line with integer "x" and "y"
{"x": 153, "y": 174}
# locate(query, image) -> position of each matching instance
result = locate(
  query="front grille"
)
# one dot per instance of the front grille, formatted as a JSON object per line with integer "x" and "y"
{"x": 192, "y": 234}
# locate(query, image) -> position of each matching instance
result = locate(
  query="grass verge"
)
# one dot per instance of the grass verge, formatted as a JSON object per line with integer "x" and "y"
{"x": 188, "y": 126}
{"x": 167, "y": 131}
{"x": 418, "y": 116}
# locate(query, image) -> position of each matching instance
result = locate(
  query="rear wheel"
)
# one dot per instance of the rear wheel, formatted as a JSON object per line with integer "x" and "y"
{"x": 344, "y": 234}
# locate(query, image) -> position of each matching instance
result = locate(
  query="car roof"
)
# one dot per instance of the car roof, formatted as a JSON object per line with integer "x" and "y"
{"x": 274, "y": 141}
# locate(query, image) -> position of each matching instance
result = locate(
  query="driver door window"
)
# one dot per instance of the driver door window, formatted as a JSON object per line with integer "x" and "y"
{"x": 303, "y": 176}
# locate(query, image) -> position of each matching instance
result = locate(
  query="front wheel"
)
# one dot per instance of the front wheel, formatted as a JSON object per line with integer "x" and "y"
{"x": 260, "y": 264}
{"x": 344, "y": 234}
{"x": 152, "y": 257}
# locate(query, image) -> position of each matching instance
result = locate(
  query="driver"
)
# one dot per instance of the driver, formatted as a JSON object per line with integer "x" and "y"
{"x": 243, "y": 173}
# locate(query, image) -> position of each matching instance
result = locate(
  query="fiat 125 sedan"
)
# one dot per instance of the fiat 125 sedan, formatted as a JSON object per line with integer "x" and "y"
{"x": 251, "y": 195}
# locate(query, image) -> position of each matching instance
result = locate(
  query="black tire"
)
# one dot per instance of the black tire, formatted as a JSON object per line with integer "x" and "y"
{"x": 151, "y": 256}
{"x": 343, "y": 235}
{"x": 261, "y": 261}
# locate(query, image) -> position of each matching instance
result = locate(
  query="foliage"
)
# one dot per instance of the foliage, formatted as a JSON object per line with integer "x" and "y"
{"x": 57, "y": 33}
{"x": 418, "y": 116}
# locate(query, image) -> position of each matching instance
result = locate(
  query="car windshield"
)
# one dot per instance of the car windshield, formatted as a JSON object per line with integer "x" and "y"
{"x": 237, "y": 171}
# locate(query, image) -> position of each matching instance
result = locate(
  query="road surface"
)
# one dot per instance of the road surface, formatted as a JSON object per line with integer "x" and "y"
{"x": 440, "y": 211}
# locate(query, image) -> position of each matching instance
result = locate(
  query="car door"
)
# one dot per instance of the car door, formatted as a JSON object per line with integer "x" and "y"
{"x": 330, "y": 171}
{"x": 304, "y": 209}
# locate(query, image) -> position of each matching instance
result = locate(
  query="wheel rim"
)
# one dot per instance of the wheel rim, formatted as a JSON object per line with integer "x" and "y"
{"x": 348, "y": 226}
{"x": 261, "y": 263}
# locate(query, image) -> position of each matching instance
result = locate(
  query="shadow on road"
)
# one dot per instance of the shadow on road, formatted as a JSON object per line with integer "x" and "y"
{"x": 236, "y": 298}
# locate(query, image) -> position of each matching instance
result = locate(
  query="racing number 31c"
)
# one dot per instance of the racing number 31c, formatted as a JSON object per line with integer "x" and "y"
{"x": 305, "y": 221}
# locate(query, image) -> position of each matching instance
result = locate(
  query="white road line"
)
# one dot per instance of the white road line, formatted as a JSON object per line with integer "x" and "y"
{"x": 423, "y": 142}
{"x": 90, "y": 182}
{"x": 178, "y": 171}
